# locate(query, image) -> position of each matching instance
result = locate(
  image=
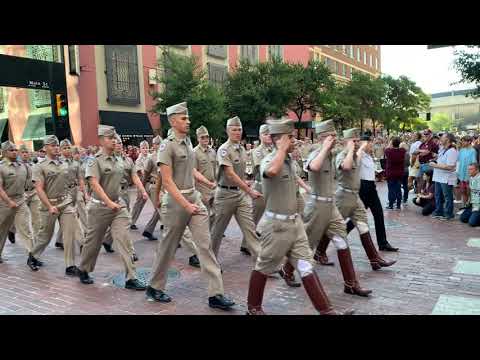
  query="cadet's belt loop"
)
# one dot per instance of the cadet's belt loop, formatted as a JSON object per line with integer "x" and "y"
{"x": 273, "y": 215}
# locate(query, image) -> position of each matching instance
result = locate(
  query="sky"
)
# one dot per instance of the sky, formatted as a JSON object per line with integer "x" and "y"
{"x": 432, "y": 70}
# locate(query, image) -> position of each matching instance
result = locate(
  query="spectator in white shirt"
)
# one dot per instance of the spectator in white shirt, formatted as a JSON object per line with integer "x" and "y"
{"x": 414, "y": 163}
{"x": 445, "y": 177}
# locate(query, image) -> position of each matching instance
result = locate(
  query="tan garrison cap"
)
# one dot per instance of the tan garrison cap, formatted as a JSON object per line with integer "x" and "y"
{"x": 8, "y": 145}
{"x": 106, "y": 130}
{"x": 144, "y": 143}
{"x": 324, "y": 126}
{"x": 202, "y": 131}
{"x": 280, "y": 126}
{"x": 263, "y": 129}
{"x": 65, "y": 142}
{"x": 23, "y": 147}
{"x": 351, "y": 133}
{"x": 178, "y": 109}
{"x": 50, "y": 140}
{"x": 235, "y": 121}
{"x": 157, "y": 140}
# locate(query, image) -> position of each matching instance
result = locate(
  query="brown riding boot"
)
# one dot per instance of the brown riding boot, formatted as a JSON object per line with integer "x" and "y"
{"x": 321, "y": 252}
{"x": 352, "y": 285}
{"x": 318, "y": 297}
{"x": 255, "y": 293}
{"x": 288, "y": 274}
{"x": 375, "y": 260}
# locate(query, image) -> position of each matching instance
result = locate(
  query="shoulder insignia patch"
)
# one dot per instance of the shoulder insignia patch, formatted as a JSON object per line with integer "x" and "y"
{"x": 162, "y": 147}
{"x": 90, "y": 162}
{"x": 223, "y": 152}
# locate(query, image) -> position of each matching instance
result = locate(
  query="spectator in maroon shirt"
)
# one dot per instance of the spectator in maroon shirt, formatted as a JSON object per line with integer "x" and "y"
{"x": 426, "y": 153}
{"x": 395, "y": 169}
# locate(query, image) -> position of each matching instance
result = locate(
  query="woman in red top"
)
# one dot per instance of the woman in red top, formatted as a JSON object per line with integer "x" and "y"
{"x": 395, "y": 169}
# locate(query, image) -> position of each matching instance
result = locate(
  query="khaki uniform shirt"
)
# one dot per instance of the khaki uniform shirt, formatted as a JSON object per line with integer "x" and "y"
{"x": 13, "y": 179}
{"x": 140, "y": 163}
{"x": 73, "y": 171}
{"x": 150, "y": 169}
{"x": 207, "y": 166}
{"x": 258, "y": 154}
{"x": 280, "y": 191}
{"x": 323, "y": 181}
{"x": 249, "y": 163}
{"x": 234, "y": 155}
{"x": 109, "y": 171}
{"x": 178, "y": 154}
{"x": 129, "y": 168}
{"x": 348, "y": 179}
{"x": 55, "y": 176}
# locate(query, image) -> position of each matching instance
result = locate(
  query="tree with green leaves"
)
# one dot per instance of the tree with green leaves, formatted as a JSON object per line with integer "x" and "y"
{"x": 182, "y": 79}
{"x": 467, "y": 63}
{"x": 441, "y": 122}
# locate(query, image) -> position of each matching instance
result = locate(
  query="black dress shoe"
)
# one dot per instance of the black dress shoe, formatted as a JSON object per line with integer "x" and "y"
{"x": 38, "y": 262}
{"x": 71, "y": 271}
{"x": 220, "y": 302}
{"x": 245, "y": 251}
{"x": 133, "y": 227}
{"x": 108, "y": 248}
{"x": 11, "y": 237}
{"x": 135, "y": 284}
{"x": 81, "y": 248}
{"x": 84, "y": 277}
{"x": 157, "y": 295}
{"x": 134, "y": 257}
{"x": 59, "y": 245}
{"x": 193, "y": 261}
{"x": 149, "y": 236}
{"x": 387, "y": 247}
{"x": 31, "y": 262}
{"x": 161, "y": 227}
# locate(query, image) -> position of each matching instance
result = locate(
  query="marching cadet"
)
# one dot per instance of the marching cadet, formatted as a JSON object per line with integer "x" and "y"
{"x": 232, "y": 190}
{"x": 129, "y": 177}
{"x": 139, "y": 202}
{"x": 13, "y": 207}
{"x": 51, "y": 178}
{"x": 104, "y": 174}
{"x": 284, "y": 232}
{"x": 258, "y": 154}
{"x": 348, "y": 201}
{"x": 82, "y": 196}
{"x": 322, "y": 217}
{"x": 181, "y": 207}
{"x": 249, "y": 162}
{"x": 150, "y": 171}
{"x": 75, "y": 184}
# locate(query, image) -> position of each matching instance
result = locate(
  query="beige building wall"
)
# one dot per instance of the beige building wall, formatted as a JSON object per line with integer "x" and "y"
{"x": 103, "y": 105}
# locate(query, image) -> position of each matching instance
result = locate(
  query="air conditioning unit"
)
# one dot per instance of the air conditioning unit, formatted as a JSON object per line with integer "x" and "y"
{"x": 152, "y": 76}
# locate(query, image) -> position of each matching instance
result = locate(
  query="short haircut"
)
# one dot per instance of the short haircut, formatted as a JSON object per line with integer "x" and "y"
{"x": 451, "y": 138}
{"x": 418, "y": 136}
{"x": 396, "y": 142}
{"x": 475, "y": 165}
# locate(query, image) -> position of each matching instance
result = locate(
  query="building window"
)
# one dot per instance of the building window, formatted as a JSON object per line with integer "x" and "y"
{"x": 73, "y": 60}
{"x": 122, "y": 75}
{"x": 344, "y": 70}
{"x": 352, "y": 53}
{"x": 249, "y": 53}
{"x": 219, "y": 51}
{"x": 365, "y": 57}
{"x": 336, "y": 67}
{"x": 351, "y": 73}
{"x": 358, "y": 54}
{"x": 217, "y": 74}
{"x": 276, "y": 51}
{"x": 371, "y": 60}
{"x": 181, "y": 46}
{"x": 43, "y": 52}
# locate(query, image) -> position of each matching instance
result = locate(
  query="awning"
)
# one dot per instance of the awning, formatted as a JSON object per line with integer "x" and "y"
{"x": 35, "y": 128}
{"x": 127, "y": 123}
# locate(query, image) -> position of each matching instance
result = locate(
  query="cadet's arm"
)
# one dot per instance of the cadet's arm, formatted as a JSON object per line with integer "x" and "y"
{"x": 317, "y": 163}
{"x": 277, "y": 164}
{"x": 199, "y": 177}
{"x": 138, "y": 183}
{"x": 233, "y": 177}
{"x": 171, "y": 187}
{"x": 302, "y": 184}
{"x": 42, "y": 195}
{"x": 97, "y": 189}
{"x": 4, "y": 196}
{"x": 158, "y": 187}
{"x": 347, "y": 163}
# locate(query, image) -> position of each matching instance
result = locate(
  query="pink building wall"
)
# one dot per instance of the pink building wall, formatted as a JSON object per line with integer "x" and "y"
{"x": 232, "y": 57}
{"x": 149, "y": 55}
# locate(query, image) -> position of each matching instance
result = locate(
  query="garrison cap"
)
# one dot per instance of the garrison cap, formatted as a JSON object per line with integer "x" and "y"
{"x": 280, "y": 126}
{"x": 157, "y": 140}
{"x": 65, "y": 142}
{"x": 263, "y": 129}
{"x": 75, "y": 150}
{"x": 324, "y": 126}
{"x": 106, "y": 130}
{"x": 144, "y": 143}
{"x": 202, "y": 131}
{"x": 351, "y": 133}
{"x": 8, "y": 145}
{"x": 180, "y": 108}
{"x": 23, "y": 147}
{"x": 50, "y": 140}
{"x": 118, "y": 139}
{"x": 235, "y": 121}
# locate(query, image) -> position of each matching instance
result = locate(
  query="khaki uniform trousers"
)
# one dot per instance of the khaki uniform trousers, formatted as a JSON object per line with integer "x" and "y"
{"x": 34, "y": 204}
{"x": 283, "y": 239}
{"x": 76, "y": 194}
{"x": 69, "y": 227}
{"x": 82, "y": 211}
{"x": 20, "y": 216}
{"x": 100, "y": 218}
{"x": 322, "y": 218}
{"x": 108, "y": 235}
{"x": 176, "y": 220}
{"x": 258, "y": 209}
{"x": 236, "y": 203}
{"x": 152, "y": 223}
{"x": 351, "y": 206}
{"x": 138, "y": 205}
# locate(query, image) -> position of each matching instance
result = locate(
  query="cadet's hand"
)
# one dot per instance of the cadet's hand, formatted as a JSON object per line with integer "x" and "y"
{"x": 139, "y": 194}
{"x": 213, "y": 185}
{"x": 350, "y": 145}
{"x": 284, "y": 143}
{"x": 363, "y": 146}
{"x": 114, "y": 206}
{"x": 249, "y": 182}
{"x": 255, "y": 194}
{"x": 192, "y": 209}
{"x": 329, "y": 142}
{"x": 53, "y": 210}
{"x": 12, "y": 204}
{"x": 157, "y": 203}
{"x": 145, "y": 195}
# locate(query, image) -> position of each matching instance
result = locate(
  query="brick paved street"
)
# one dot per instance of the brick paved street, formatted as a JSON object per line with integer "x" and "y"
{"x": 438, "y": 271}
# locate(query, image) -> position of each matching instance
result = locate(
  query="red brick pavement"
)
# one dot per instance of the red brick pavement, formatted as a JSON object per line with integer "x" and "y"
{"x": 429, "y": 250}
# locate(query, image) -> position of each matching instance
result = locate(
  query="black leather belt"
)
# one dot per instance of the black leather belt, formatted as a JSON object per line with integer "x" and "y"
{"x": 229, "y": 187}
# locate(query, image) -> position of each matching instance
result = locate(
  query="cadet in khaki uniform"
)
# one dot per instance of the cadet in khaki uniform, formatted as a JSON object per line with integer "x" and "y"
{"x": 284, "y": 232}
{"x": 231, "y": 196}
{"x": 82, "y": 196}
{"x": 31, "y": 197}
{"x": 322, "y": 217}
{"x": 51, "y": 179}
{"x": 139, "y": 202}
{"x": 150, "y": 172}
{"x": 258, "y": 154}
{"x": 75, "y": 185}
{"x": 348, "y": 201}
{"x": 13, "y": 208}
{"x": 183, "y": 207}
{"x": 129, "y": 177}
{"x": 106, "y": 209}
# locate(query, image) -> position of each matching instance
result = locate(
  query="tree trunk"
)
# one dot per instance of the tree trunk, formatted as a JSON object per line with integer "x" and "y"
{"x": 374, "y": 129}
{"x": 361, "y": 126}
